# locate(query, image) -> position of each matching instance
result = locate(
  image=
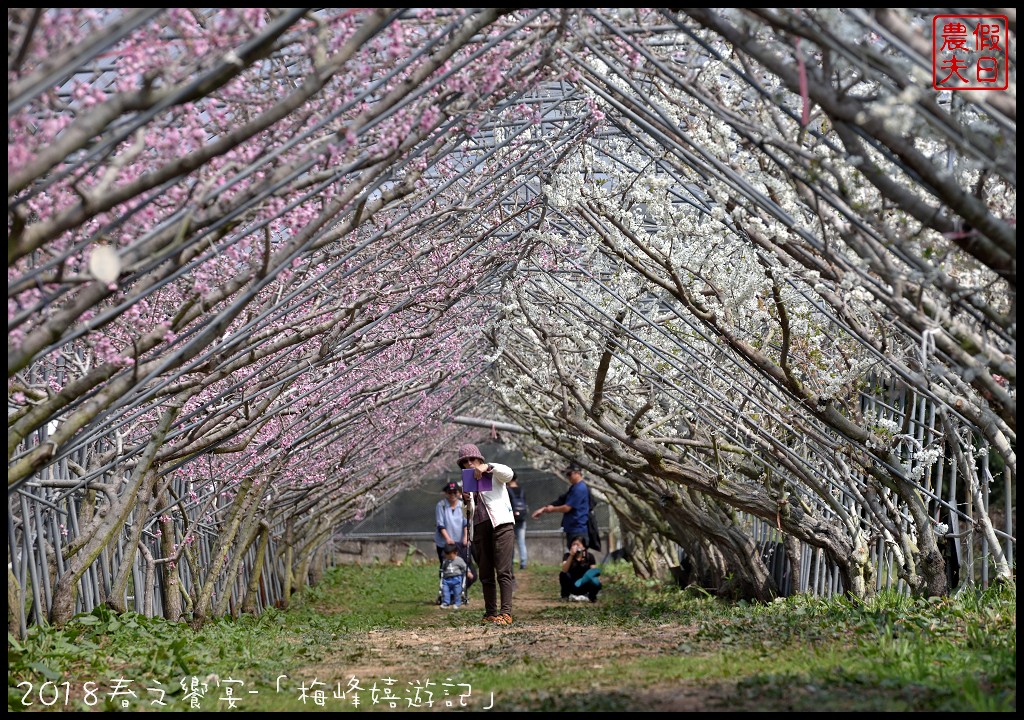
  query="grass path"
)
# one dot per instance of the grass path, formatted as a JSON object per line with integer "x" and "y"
{"x": 642, "y": 647}
{"x": 548, "y": 638}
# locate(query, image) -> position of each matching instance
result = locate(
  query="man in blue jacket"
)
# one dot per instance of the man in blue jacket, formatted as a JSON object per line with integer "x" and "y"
{"x": 574, "y": 505}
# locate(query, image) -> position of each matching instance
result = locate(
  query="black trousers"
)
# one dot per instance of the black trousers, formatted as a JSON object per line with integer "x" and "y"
{"x": 591, "y": 589}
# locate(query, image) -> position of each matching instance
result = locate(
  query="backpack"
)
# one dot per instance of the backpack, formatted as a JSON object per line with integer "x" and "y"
{"x": 520, "y": 510}
{"x": 593, "y": 532}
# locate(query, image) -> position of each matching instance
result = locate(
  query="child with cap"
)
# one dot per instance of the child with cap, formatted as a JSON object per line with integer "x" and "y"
{"x": 453, "y": 572}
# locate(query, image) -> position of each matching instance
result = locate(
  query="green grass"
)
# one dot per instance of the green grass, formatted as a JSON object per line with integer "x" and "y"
{"x": 890, "y": 653}
{"x": 156, "y": 655}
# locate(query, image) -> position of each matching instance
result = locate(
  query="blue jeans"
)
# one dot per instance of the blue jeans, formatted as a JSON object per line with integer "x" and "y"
{"x": 451, "y": 591}
{"x": 470, "y": 577}
{"x": 521, "y": 543}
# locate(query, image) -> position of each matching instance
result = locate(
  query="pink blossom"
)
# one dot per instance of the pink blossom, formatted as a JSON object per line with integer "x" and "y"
{"x": 430, "y": 116}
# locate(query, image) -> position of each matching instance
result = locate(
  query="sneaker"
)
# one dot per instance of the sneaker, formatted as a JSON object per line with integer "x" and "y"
{"x": 489, "y": 619}
{"x": 503, "y": 619}
{"x": 445, "y": 606}
{"x": 456, "y": 607}
{"x": 579, "y": 598}
{"x": 464, "y": 598}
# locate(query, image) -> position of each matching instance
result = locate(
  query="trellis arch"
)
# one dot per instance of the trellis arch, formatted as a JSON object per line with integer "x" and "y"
{"x": 263, "y": 265}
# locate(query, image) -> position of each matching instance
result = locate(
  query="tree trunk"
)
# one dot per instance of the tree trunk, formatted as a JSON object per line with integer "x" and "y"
{"x": 289, "y": 554}
{"x": 973, "y": 490}
{"x": 66, "y": 588}
{"x": 855, "y": 569}
{"x": 119, "y": 585}
{"x": 172, "y": 582}
{"x": 218, "y": 556}
{"x": 308, "y": 552}
{"x": 15, "y": 606}
{"x": 251, "y": 592}
{"x": 793, "y": 553}
{"x": 149, "y": 580}
{"x": 247, "y": 535}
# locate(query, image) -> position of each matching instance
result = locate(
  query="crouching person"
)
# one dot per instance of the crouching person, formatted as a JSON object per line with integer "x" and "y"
{"x": 579, "y": 574}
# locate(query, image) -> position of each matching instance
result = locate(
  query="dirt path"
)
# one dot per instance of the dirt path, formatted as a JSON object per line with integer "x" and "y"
{"x": 545, "y": 629}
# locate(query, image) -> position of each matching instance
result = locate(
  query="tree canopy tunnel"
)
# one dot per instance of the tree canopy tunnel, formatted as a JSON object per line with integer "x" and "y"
{"x": 267, "y": 268}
